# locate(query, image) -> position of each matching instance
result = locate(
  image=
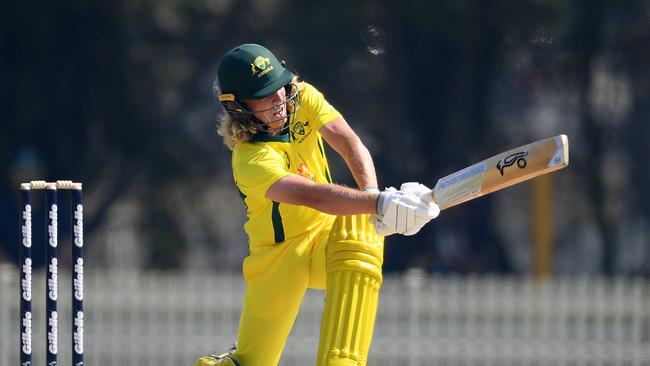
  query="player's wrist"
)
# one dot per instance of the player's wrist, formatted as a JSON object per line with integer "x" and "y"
{"x": 375, "y": 191}
{"x": 379, "y": 203}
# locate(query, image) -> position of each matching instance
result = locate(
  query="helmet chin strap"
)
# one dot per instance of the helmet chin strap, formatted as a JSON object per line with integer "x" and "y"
{"x": 265, "y": 127}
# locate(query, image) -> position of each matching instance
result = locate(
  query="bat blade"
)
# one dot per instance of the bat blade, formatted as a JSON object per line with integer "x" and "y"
{"x": 502, "y": 170}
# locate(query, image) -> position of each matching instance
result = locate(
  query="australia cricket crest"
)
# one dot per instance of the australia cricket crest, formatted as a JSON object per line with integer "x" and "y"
{"x": 300, "y": 131}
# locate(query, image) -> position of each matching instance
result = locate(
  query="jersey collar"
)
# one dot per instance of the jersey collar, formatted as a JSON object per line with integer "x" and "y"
{"x": 265, "y": 137}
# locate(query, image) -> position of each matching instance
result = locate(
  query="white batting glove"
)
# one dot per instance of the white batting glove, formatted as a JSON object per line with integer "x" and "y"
{"x": 416, "y": 188}
{"x": 403, "y": 212}
{"x": 424, "y": 193}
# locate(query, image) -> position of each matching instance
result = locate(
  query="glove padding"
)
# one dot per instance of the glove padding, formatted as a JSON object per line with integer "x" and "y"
{"x": 403, "y": 211}
{"x": 417, "y": 189}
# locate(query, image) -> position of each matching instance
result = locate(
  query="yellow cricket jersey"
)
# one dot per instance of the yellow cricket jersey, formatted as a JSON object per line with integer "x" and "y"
{"x": 258, "y": 164}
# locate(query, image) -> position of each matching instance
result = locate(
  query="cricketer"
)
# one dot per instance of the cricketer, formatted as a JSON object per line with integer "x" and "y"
{"x": 304, "y": 231}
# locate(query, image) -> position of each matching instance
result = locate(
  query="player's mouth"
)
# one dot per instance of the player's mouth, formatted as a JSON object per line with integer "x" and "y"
{"x": 280, "y": 111}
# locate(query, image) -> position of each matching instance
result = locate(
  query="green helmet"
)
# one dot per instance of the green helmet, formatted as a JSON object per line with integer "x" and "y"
{"x": 250, "y": 71}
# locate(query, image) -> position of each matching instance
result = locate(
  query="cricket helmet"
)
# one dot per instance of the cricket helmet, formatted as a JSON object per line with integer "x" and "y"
{"x": 251, "y": 71}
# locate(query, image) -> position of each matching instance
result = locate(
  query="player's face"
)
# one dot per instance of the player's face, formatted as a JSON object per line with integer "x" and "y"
{"x": 272, "y": 109}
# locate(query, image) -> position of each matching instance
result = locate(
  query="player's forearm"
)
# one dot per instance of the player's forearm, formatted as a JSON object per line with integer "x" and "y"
{"x": 338, "y": 200}
{"x": 360, "y": 163}
{"x": 348, "y": 145}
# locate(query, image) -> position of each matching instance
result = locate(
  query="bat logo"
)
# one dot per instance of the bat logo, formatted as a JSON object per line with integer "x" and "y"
{"x": 518, "y": 158}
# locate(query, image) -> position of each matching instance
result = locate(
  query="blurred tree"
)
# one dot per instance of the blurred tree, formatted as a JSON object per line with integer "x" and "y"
{"x": 117, "y": 95}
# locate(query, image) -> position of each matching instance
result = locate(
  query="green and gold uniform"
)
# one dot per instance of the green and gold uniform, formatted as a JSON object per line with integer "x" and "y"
{"x": 258, "y": 165}
{"x": 293, "y": 248}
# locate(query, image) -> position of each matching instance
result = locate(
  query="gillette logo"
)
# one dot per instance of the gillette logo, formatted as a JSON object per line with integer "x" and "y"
{"x": 26, "y": 281}
{"x": 78, "y": 281}
{"x": 26, "y": 335}
{"x": 53, "y": 323}
{"x": 78, "y": 335}
{"x": 52, "y": 229}
{"x": 27, "y": 227}
{"x": 78, "y": 226}
{"x": 52, "y": 281}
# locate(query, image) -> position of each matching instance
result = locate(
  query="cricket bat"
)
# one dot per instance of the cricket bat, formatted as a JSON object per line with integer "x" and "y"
{"x": 501, "y": 171}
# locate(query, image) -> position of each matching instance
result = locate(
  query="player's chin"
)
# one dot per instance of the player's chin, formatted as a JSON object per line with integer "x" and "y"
{"x": 277, "y": 125}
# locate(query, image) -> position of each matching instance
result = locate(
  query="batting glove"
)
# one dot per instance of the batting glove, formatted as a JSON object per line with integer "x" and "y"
{"x": 403, "y": 212}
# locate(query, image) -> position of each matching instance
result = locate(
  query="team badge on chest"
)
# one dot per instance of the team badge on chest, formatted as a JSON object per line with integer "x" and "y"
{"x": 300, "y": 131}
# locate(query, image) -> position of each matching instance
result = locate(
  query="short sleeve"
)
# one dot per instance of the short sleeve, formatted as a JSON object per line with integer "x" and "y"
{"x": 316, "y": 109}
{"x": 256, "y": 168}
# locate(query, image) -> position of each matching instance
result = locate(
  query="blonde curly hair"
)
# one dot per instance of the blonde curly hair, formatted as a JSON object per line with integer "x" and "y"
{"x": 232, "y": 131}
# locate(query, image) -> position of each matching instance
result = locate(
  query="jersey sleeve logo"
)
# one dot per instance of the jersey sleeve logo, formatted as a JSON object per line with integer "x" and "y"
{"x": 300, "y": 131}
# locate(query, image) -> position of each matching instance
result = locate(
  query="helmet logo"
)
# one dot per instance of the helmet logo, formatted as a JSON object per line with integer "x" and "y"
{"x": 260, "y": 66}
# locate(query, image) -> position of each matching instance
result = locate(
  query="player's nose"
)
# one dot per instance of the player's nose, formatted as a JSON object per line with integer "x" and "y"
{"x": 278, "y": 96}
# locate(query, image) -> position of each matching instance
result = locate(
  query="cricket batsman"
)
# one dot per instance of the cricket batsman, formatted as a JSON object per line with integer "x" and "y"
{"x": 304, "y": 231}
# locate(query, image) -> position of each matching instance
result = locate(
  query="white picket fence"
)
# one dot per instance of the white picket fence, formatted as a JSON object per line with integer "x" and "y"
{"x": 161, "y": 319}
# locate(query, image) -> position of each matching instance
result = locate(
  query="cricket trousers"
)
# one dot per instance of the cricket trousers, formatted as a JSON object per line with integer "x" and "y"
{"x": 344, "y": 257}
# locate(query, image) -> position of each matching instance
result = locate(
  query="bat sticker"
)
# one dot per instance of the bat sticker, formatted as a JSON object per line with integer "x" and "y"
{"x": 519, "y": 158}
{"x": 464, "y": 183}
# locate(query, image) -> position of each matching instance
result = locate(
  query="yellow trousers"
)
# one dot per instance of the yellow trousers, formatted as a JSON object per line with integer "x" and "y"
{"x": 277, "y": 278}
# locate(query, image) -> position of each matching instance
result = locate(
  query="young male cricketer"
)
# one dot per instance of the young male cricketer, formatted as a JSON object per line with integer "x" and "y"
{"x": 304, "y": 231}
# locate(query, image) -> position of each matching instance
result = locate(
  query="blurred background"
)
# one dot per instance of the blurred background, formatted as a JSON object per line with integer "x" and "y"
{"x": 117, "y": 95}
